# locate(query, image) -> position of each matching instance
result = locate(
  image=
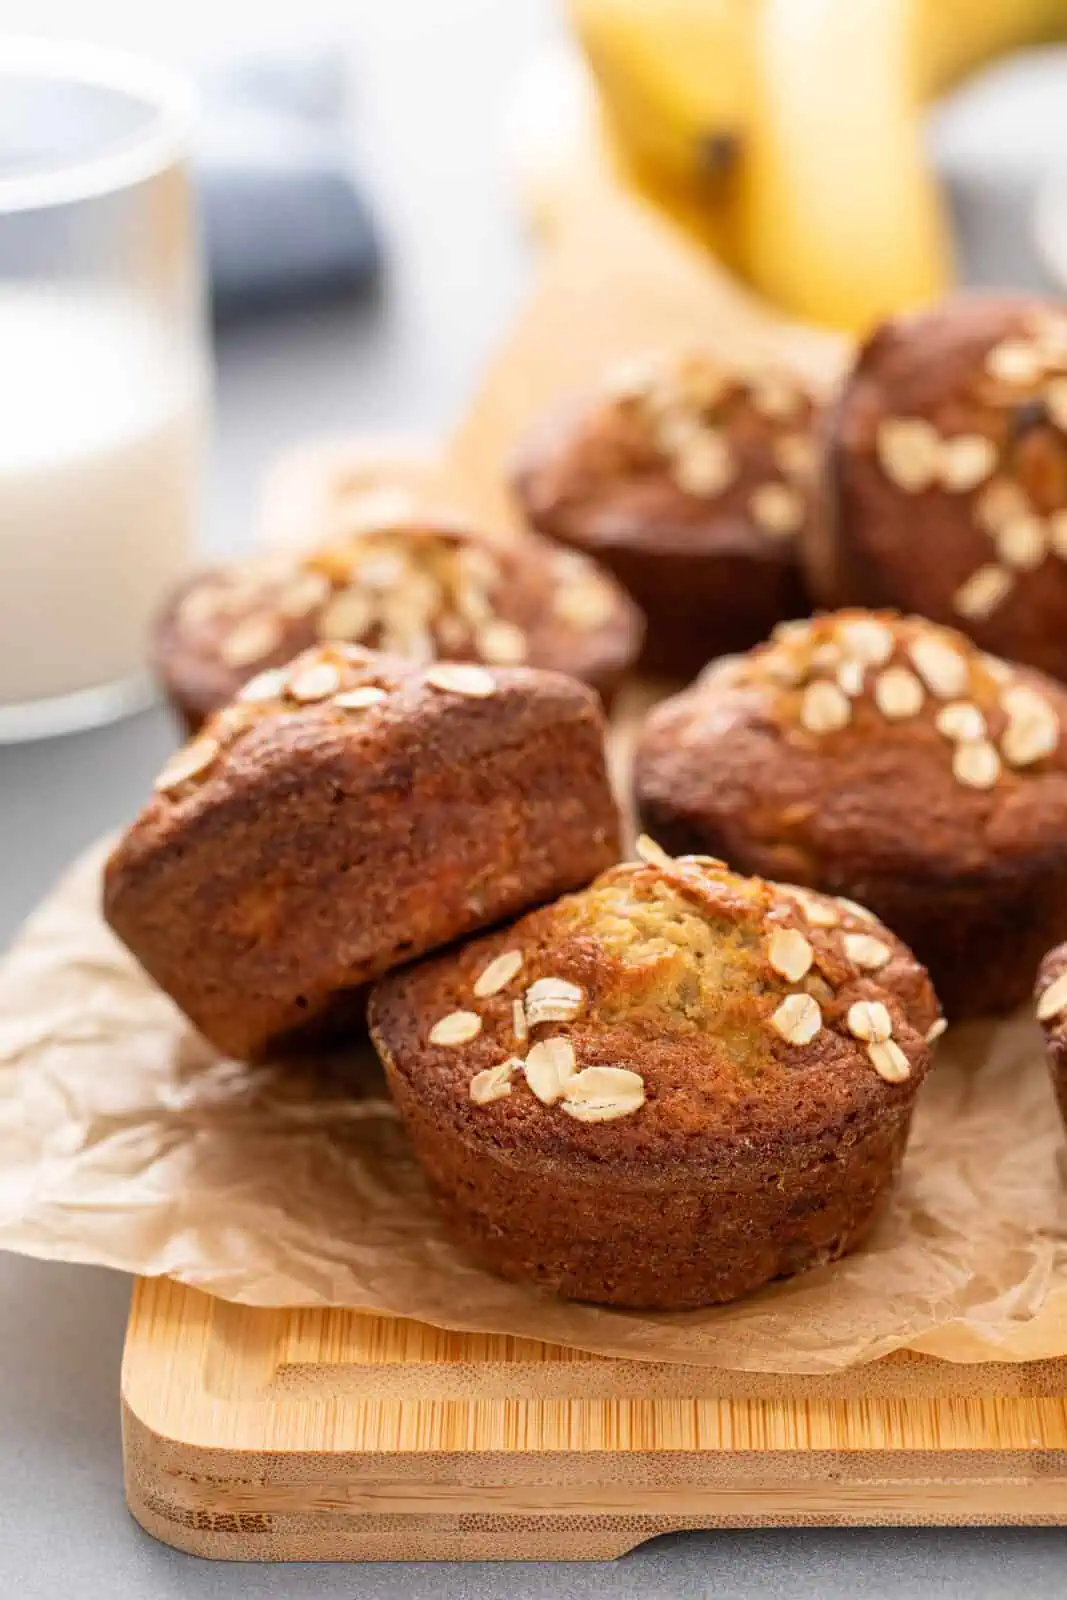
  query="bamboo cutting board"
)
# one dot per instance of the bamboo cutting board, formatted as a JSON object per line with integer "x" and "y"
{"x": 330, "y": 1435}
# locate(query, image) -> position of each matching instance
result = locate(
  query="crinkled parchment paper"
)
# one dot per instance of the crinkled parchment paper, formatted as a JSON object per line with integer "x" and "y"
{"x": 123, "y": 1141}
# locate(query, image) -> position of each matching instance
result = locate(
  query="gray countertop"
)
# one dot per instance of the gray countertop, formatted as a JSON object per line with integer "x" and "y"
{"x": 433, "y": 83}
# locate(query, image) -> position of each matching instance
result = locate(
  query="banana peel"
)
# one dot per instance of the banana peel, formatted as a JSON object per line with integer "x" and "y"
{"x": 785, "y": 135}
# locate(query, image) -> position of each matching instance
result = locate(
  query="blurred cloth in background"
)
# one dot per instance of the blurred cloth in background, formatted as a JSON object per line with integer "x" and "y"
{"x": 999, "y": 145}
{"x": 284, "y": 220}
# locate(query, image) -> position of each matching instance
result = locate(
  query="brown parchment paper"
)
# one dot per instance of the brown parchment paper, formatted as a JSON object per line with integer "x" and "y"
{"x": 124, "y": 1142}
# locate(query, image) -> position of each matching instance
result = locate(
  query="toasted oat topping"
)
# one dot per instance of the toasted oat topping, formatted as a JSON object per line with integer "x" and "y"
{"x": 553, "y": 1000}
{"x": 889, "y": 1060}
{"x": 687, "y": 406}
{"x": 317, "y": 681}
{"x": 824, "y": 708}
{"x": 966, "y": 461}
{"x": 869, "y": 1020}
{"x": 777, "y": 508}
{"x": 909, "y": 452}
{"x": 983, "y": 592}
{"x": 1027, "y": 370}
{"x": 498, "y": 974}
{"x": 360, "y": 699}
{"x": 867, "y": 952}
{"x": 798, "y": 1019}
{"x": 976, "y": 764}
{"x": 417, "y": 589}
{"x": 1053, "y": 1001}
{"x": 942, "y": 667}
{"x": 960, "y": 720}
{"x": 1015, "y": 361}
{"x": 494, "y": 1083}
{"x": 459, "y": 1027}
{"x": 455, "y": 677}
{"x": 192, "y": 761}
{"x": 651, "y": 853}
{"x": 816, "y": 911}
{"x": 332, "y": 675}
{"x": 831, "y": 672}
{"x": 898, "y": 693}
{"x": 601, "y": 1094}
{"x": 549, "y": 1067}
{"x": 253, "y": 639}
{"x": 789, "y": 953}
{"x": 265, "y": 686}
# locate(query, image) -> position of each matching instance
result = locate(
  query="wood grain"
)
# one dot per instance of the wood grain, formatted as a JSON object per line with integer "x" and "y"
{"x": 297, "y": 1435}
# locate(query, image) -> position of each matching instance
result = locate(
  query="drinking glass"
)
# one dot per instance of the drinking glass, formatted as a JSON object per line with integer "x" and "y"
{"x": 103, "y": 376}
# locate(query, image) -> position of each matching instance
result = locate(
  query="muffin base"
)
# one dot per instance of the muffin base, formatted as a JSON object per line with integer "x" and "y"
{"x": 699, "y": 606}
{"x": 676, "y": 1242}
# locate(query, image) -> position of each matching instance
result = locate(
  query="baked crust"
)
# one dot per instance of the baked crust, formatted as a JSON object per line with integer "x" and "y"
{"x": 304, "y": 844}
{"x": 691, "y": 485}
{"x": 945, "y": 486}
{"x": 718, "y": 1151}
{"x": 421, "y": 587}
{"x": 932, "y": 788}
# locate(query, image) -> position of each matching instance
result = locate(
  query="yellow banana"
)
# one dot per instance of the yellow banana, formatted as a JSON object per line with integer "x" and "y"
{"x": 787, "y": 132}
{"x": 840, "y": 221}
{"x": 676, "y": 79}
{"x": 949, "y": 39}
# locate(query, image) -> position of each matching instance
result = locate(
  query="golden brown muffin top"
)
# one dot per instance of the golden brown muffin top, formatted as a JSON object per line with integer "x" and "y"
{"x": 866, "y": 741}
{"x": 337, "y": 689}
{"x": 949, "y": 466}
{"x": 697, "y": 1012}
{"x": 423, "y": 589}
{"x": 679, "y": 449}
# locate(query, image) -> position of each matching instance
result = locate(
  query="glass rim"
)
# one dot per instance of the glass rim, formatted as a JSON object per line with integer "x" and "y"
{"x": 166, "y": 95}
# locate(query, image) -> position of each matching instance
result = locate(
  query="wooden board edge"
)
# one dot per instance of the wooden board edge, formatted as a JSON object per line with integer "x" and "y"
{"x": 225, "y": 1505}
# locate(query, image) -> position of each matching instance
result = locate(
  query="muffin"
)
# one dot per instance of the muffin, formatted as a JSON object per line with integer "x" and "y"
{"x": 692, "y": 485}
{"x": 1050, "y": 997}
{"x": 665, "y": 1090}
{"x": 888, "y": 760}
{"x": 347, "y": 813}
{"x": 946, "y": 476}
{"x": 422, "y": 589}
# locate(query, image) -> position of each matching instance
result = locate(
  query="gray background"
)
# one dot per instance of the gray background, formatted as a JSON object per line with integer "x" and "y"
{"x": 433, "y": 80}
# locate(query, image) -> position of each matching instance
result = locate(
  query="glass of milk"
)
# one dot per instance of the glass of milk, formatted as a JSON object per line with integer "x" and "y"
{"x": 103, "y": 377}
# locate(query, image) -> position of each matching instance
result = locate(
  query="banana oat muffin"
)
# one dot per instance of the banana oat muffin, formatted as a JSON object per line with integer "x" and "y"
{"x": 885, "y": 759}
{"x": 665, "y": 1090}
{"x": 1050, "y": 996}
{"x": 347, "y": 813}
{"x": 691, "y": 484}
{"x": 421, "y": 588}
{"x": 946, "y": 476}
